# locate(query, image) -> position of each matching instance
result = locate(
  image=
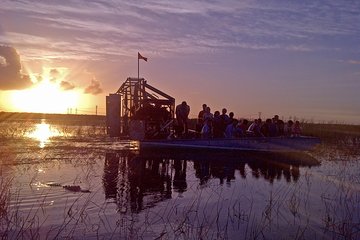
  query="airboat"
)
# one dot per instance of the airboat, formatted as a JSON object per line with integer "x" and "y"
{"x": 138, "y": 111}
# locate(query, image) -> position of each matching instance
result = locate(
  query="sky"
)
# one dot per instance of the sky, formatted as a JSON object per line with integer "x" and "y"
{"x": 297, "y": 59}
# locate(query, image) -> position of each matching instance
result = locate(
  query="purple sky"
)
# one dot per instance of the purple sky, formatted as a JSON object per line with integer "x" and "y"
{"x": 291, "y": 58}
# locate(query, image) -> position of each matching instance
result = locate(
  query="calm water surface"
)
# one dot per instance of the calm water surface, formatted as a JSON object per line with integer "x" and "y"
{"x": 72, "y": 181}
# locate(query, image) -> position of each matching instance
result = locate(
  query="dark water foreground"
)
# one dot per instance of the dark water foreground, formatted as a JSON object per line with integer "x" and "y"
{"x": 77, "y": 183}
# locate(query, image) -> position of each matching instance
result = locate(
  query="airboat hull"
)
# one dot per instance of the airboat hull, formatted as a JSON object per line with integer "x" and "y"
{"x": 276, "y": 144}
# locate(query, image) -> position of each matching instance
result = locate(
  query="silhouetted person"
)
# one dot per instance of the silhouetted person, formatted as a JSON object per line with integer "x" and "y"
{"x": 280, "y": 126}
{"x": 288, "y": 128}
{"x": 218, "y": 131}
{"x": 244, "y": 126}
{"x": 207, "y": 114}
{"x": 265, "y": 128}
{"x": 231, "y": 130}
{"x": 206, "y": 131}
{"x": 200, "y": 119}
{"x": 182, "y": 116}
{"x": 255, "y": 128}
{"x": 224, "y": 119}
{"x": 231, "y": 117}
{"x": 297, "y": 130}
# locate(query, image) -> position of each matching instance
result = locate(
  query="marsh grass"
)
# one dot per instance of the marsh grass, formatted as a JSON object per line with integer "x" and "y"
{"x": 18, "y": 125}
{"x": 5, "y": 184}
{"x": 339, "y": 142}
{"x": 331, "y": 132}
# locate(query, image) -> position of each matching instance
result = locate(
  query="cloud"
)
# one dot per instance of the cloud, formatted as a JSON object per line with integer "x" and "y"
{"x": 94, "y": 88}
{"x": 10, "y": 70}
{"x": 65, "y": 85}
{"x": 106, "y": 30}
{"x": 357, "y": 62}
{"x": 54, "y": 74}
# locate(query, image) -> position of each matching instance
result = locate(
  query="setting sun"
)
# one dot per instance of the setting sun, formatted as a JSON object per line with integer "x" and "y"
{"x": 45, "y": 97}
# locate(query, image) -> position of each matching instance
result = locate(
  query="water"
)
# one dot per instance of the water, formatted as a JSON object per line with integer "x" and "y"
{"x": 72, "y": 181}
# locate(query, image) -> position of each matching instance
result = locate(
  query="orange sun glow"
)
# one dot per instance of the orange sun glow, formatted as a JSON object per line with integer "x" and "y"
{"x": 44, "y": 97}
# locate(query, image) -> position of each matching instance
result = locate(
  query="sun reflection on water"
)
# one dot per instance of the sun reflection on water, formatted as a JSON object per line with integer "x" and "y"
{"x": 43, "y": 133}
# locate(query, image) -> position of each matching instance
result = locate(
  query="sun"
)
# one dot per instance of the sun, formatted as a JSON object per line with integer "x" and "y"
{"x": 44, "y": 97}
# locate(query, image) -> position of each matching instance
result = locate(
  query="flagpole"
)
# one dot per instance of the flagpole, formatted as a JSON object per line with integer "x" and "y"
{"x": 143, "y": 58}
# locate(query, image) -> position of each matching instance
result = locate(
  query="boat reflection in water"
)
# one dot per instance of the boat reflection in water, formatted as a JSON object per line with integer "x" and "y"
{"x": 140, "y": 180}
{"x": 128, "y": 178}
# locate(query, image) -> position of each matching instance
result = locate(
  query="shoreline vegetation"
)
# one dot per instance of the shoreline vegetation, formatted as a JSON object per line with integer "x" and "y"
{"x": 51, "y": 117}
{"x": 324, "y": 131}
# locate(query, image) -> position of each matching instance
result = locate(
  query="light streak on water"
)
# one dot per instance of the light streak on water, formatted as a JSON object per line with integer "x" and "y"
{"x": 43, "y": 132}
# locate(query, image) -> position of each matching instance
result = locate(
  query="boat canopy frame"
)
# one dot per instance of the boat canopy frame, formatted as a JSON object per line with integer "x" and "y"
{"x": 135, "y": 95}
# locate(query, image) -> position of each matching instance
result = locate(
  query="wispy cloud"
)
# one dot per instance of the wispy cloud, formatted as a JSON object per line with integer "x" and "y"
{"x": 356, "y": 62}
{"x": 98, "y": 29}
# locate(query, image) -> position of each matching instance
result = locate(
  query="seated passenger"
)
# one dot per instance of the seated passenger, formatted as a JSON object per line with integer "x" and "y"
{"x": 255, "y": 128}
{"x": 288, "y": 128}
{"x": 243, "y": 125}
{"x": 232, "y": 131}
{"x": 277, "y": 126}
{"x": 280, "y": 126}
{"x": 296, "y": 131}
{"x": 251, "y": 128}
{"x": 273, "y": 128}
{"x": 265, "y": 129}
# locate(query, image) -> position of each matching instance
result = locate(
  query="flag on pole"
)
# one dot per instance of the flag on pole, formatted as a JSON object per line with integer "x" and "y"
{"x": 141, "y": 57}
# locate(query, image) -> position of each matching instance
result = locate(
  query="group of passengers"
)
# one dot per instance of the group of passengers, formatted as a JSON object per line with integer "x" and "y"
{"x": 226, "y": 126}
{"x": 216, "y": 125}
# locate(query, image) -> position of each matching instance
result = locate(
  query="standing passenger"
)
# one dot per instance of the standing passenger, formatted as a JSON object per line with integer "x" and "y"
{"x": 208, "y": 114}
{"x": 224, "y": 119}
{"x": 231, "y": 117}
{"x": 182, "y": 115}
{"x": 206, "y": 131}
{"x": 200, "y": 120}
{"x": 217, "y": 126}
